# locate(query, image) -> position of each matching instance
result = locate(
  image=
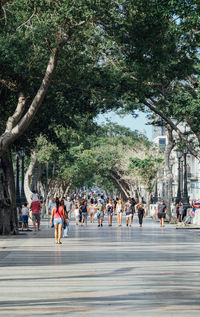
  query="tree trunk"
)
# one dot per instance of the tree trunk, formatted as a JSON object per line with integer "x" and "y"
{"x": 148, "y": 201}
{"x": 36, "y": 177}
{"x": 168, "y": 172}
{"x": 68, "y": 187}
{"x": 18, "y": 123}
{"x": 44, "y": 205}
{"x": 121, "y": 184}
{"x": 28, "y": 177}
{"x": 8, "y": 211}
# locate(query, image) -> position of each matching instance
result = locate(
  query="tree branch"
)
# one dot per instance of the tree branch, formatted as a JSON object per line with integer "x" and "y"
{"x": 29, "y": 19}
{"x": 174, "y": 127}
{"x": 10, "y": 136}
{"x": 117, "y": 181}
{"x": 14, "y": 119}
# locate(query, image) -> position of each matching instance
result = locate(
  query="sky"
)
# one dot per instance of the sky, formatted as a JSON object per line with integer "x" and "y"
{"x": 128, "y": 121}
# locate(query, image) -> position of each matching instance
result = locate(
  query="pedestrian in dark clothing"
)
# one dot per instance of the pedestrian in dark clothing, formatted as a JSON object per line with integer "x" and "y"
{"x": 133, "y": 203}
{"x": 141, "y": 213}
{"x": 162, "y": 209}
{"x": 177, "y": 211}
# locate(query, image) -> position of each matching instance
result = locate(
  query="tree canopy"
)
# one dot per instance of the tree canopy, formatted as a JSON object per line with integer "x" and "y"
{"x": 158, "y": 59}
{"x": 102, "y": 158}
{"x": 62, "y": 63}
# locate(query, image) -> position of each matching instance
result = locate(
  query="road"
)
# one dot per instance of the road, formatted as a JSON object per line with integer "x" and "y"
{"x": 109, "y": 271}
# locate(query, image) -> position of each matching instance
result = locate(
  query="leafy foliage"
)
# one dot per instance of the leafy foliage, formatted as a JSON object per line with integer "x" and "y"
{"x": 147, "y": 169}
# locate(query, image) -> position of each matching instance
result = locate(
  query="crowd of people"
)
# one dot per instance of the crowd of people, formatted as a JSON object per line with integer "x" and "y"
{"x": 84, "y": 208}
{"x": 91, "y": 209}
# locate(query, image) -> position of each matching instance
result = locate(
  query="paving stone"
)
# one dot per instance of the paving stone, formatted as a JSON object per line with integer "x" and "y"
{"x": 109, "y": 271}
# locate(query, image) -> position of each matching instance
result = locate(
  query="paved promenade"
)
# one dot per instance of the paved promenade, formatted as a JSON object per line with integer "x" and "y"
{"x": 149, "y": 271}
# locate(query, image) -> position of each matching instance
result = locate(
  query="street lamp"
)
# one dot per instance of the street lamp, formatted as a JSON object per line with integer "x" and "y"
{"x": 156, "y": 193}
{"x": 185, "y": 190}
{"x": 23, "y": 197}
{"x": 181, "y": 178}
{"x": 178, "y": 197}
{"x": 18, "y": 200}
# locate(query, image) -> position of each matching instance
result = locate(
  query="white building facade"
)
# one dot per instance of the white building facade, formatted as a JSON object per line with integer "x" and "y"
{"x": 193, "y": 169}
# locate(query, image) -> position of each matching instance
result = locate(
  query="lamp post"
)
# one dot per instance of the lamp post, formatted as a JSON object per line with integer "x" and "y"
{"x": 18, "y": 200}
{"x": 178, "y": 197}
{"x": 23, "y": 197}
{"x": 156, "y": 193}
{"x": 185, "y": 190}
{"x": 181, "y": 178}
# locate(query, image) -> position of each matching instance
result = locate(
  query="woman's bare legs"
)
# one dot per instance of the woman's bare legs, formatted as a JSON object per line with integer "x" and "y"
{"x": 127, "y": 221}
{"x": 120, "y": 219}
{"x": 59, "y": 233}
{"x": 162, "y": 222}
{"x": 131, "y": 218}
{"x": 56, "y": 233}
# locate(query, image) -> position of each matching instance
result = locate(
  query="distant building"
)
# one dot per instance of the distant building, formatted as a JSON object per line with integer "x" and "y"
{"x": 161, "y": 142}
{"x": 193, "y": 168}
{"x": 159, "y": 137}
{"x": 158, "y": 131}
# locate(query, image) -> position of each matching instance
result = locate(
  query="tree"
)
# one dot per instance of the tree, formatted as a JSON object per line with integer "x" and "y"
{"x": 101, "y": 158}
{"x": 37, "y": 42}
{"x": 160, "y": 69}
{"x": 147, "y": 169}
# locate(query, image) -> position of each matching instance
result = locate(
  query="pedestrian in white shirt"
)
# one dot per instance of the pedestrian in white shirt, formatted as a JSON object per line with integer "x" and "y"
{"x": 25, "y": 215}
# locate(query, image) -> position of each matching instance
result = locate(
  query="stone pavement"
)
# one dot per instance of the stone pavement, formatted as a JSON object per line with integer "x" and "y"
{"x": 149, "y": 271}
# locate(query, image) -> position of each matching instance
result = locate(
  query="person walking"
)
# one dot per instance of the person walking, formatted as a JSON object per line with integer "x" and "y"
{"x": 103, "y": 201}
{"x": 76, "y": 213}
{"x": 119, "y": 211}
{"x": 66, "y": 220}
{"x": 110, "y": 210}
{"x": 84, "y": 212}
{"x": 35, "y": 208}
{"x": 58, "y": 217}
{"x": 129, "y": 213}
{"x": 34, "y": 196}
{"x": 162, "y": 209}
{"x": 52, "y": 205}
{"x": 100, "y": 213}
{"x": 181, "y": 211}
{"x": 25, "y": 215}
{"x": 92, "y": 210}
{"x": 68, "y": 203}
{"x": 141, "y": 213}
{"x": 177, "y": 211}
